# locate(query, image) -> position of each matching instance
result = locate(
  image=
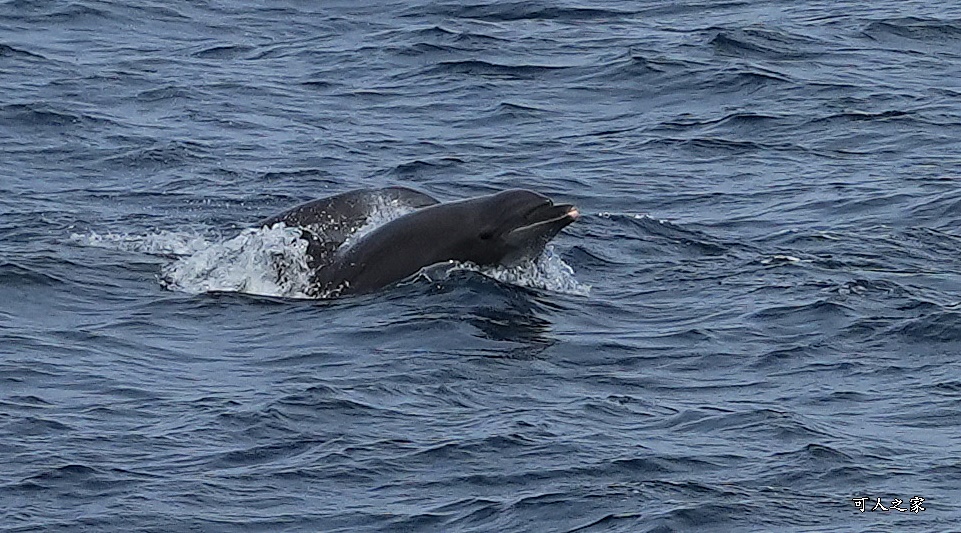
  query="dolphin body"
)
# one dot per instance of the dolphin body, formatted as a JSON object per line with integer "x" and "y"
{"x": 504, "y": 228}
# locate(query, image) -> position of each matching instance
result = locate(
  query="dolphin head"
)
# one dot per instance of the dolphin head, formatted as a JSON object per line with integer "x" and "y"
{"x": 515, "y": 225}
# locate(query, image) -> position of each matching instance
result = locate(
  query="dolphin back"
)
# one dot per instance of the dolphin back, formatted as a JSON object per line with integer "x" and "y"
{"x": 327, "y": 222}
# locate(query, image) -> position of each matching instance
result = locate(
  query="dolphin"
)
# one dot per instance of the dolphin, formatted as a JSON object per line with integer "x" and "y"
{"x": 504, "y": 228}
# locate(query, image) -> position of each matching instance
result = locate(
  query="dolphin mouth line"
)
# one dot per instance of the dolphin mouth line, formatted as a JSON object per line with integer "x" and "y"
{"x": 567, "y": 214}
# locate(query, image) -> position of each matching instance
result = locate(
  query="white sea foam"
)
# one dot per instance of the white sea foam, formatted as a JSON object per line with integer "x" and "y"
{"x": 266, "y": 261}
{"x": 159, "y": 243}
{"x": 548, "y": 271}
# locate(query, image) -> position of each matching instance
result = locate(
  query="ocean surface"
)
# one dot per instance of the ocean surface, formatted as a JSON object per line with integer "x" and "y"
{"x": 755, "y": 325}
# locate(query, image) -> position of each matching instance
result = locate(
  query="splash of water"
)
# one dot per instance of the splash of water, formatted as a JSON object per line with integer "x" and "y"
{"x": 266, "y": 261}
{"x": 383, "y": 210}
{"x": 548, "y": 271}
{"x": 159, "y": 243}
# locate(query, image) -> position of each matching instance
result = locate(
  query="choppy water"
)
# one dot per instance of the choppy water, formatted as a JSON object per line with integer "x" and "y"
{"x": 771, "y": 203}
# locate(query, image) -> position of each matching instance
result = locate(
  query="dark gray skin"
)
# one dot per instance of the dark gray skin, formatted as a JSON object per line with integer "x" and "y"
{"x": 326, "y": 223}
{"x": 500, "y": 229}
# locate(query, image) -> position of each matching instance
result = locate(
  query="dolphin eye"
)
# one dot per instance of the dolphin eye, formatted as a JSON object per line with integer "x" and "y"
{"x": 486, "y": 236}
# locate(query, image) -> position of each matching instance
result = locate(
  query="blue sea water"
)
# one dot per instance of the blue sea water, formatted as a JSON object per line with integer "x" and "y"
{"x": 756, "y": 321}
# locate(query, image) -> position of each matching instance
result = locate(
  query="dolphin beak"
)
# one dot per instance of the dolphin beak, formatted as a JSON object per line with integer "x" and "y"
{"x": 547, "y": 220}
{"x": 564, "y": 214}
{"x": 549, "y": 212}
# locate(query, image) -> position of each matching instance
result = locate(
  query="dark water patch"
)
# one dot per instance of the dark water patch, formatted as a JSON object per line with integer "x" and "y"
{"x": 614, "y": 132}
{"x": 860, "y": 262}
{"x": 134, "y": 394}
{"x": 431, "y": 50}
{"x": 765, "y": 44}
{"x": 476, "y": 40}
{"x": 67, "y": 474}
{"x": 224, "y": 52}
{"x": 926, "y": 30}
{"x": 431, "y": 32}
{"x": 935, "y": 417}
{"x": 15, "y": 275}
{"x": 817, "y": 454}
{"x": 7, "y": 51}
{"x": 214, "y": 403}
{"x": 320, "y": 84}
{"x": 749, "y": 80}
{"x": 163, "y": 94}
{"x": 789, "y": 356}
{"x": 942, "y": 209}
{"x": 508, "y": 445}
{"x": 745, "y": 122}
{"x": 245, "y": 90}
{"x": 468, "y": 513}
{"x": 870, "y": 331}
{"x": 372, "y": 96}
{"x": 42, "y": 116}
{"x": 417, "y": 522}
{"x": 933, "y": 243}
{"x": 948, "y": 388}
{"x": 263, "y": 422}
{"x": 614, "y": 407}
{"x": 942, "y": 327}
{"x": 949, "y": 471}
{"x": 32, "y": 426}
{"x": 583, "y": 258}
{"x": 830, "y": 468}
{"x": 863, "y": 116}
{"x": 688, "y": 336}
{"x": 440, "y": 39}
{"x": 80, "y": 14}
{"x": 421, "y": 170}
{"x": 514, "y": 110}
{"x": 711, "y": 147}
{"x": 820, "y": 317}
{"x": 644, "y": 466}
{"x": 527, "y": 329}
{"x": 690, "y": 240}
{"x": 619, "y": 521}
{"x": 782, "y": 426}
{"x": 318, "y": 178}
{"x": 507, "y": 114}
{"x": 26, "y": 402}
{"x": 489, "y": 70}
{"x": 159, "y": 157}
{"x": 853, "y": 398}
{"x": 703, "y": 517}
{"x": 321, "y": 397}
{"x": 519, "y": 11}
{"x": 72, "y": 480}
{"x": 14, "y": 371}
{"x": 156, "y": 12}
{"x": 639, "y": 71}
{"x": 261, "y": 455}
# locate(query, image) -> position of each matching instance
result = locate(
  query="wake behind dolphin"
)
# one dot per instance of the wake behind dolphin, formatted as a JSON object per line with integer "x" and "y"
{"x": 501, "y": 229}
